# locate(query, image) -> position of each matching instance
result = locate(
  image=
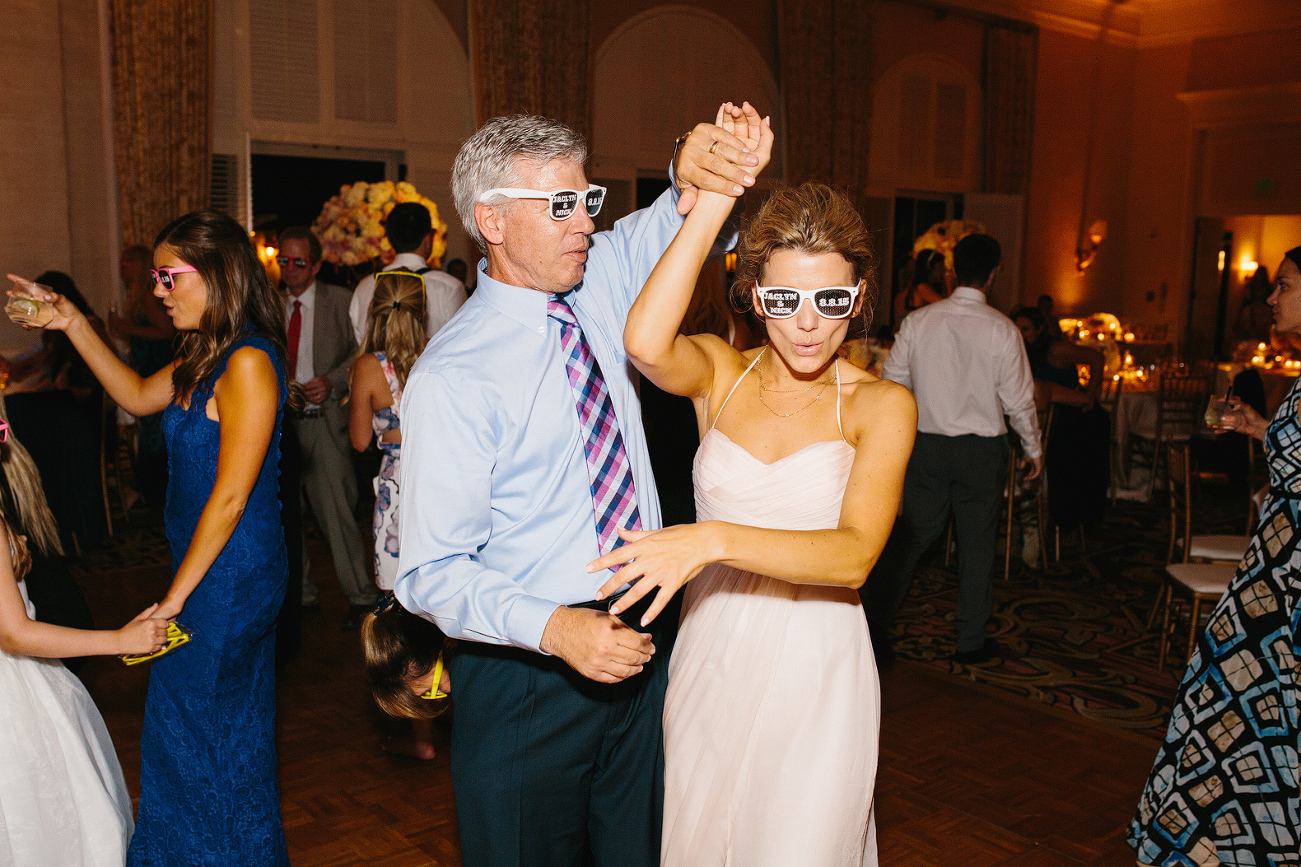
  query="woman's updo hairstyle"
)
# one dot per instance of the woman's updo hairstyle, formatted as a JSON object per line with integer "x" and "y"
{"x": 811, "y": 218}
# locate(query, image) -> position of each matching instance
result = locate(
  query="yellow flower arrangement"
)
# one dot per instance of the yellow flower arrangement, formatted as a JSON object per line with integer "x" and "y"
{"x": 942, "y": 237}
{"x": 351, "y": 224}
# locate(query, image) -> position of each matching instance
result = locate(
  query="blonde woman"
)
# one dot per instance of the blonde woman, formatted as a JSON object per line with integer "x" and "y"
{"x": 394, "y": 338}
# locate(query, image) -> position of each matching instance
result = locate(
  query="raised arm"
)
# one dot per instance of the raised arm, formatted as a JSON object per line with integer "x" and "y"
{"x": 137, "y": 395}
{"x": 676, "y": 363}
{"x": 882, "y": 420}
{"x": 246, "y": 396}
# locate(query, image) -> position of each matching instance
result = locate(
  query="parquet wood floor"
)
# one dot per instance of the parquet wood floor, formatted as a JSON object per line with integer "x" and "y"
{"x": 968, "y": 775}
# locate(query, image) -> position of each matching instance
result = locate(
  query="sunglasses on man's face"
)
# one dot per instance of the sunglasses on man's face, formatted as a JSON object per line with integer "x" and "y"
{"x": 166, "y": 277}
{"x": 831, "y": 302}
{"x": 561, "y": 203}
{"x": 299, "y": 261}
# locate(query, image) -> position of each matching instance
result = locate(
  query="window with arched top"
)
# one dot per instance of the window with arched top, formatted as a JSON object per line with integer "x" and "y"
{"x": 926, "y": 126}
{"x": 658, "y": 75}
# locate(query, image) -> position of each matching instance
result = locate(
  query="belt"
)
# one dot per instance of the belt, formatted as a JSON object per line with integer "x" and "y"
{"x": 309, "y": 413}
{"x": 632, "y": 616}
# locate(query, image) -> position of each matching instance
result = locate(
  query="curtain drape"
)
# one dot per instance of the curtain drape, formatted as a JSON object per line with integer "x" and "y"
{"x": 162, "y": 109}
{"x": 531, "y": 57}
{"x": 826, "y": 63}
{"x": 1010, "y": 66}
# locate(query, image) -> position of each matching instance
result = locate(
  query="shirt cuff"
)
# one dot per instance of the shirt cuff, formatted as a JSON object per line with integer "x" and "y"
{"x": 528, "y": 620}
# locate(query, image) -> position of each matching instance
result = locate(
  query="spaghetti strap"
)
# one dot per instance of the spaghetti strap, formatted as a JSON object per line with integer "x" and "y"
{"x": 735, "y": 384}
{"x": 836, "y": 364}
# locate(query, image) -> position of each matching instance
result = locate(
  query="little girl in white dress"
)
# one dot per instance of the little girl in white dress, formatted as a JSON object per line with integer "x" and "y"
{"x": 62, "y": 797}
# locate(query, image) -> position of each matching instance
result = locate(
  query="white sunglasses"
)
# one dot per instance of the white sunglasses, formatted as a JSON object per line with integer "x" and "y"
{"x": 561, "y": 203}
{"x": 831, "y": 302}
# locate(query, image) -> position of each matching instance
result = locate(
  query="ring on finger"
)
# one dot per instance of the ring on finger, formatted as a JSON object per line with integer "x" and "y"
{"x": 713, "y": 147}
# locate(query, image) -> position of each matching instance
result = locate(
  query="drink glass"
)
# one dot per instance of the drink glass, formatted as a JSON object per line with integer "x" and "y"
{"x": 25, "y": 310}
{"x": 1215, "y": 412}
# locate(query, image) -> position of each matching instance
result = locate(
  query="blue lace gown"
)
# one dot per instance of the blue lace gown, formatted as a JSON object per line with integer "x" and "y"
{"x": 208, "y": 789}
{"x": 1224, "y": 786}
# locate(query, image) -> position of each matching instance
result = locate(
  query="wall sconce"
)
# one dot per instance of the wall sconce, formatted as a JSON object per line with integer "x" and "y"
{"x": 729, "y": 261}
{"x": 1247, "y": 265}
{"x": 1087, "y": 247}
{"x": 1220, "y": 264}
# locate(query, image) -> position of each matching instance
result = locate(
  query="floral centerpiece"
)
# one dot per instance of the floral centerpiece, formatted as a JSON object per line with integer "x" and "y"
{"x": 351, "y": 224}
{"x": 942, "y": 237}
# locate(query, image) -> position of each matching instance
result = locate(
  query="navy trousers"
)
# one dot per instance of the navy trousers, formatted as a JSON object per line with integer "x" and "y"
{"x": 550, "y": 768}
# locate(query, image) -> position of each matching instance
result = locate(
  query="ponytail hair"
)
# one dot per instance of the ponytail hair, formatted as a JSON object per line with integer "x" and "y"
{"x": 395, "y": 324}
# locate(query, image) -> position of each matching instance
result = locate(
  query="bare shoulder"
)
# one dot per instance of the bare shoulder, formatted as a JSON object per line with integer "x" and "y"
{"x": 248, "y": 367}
{"x": 367, "y": 365}
{"x": 871, "y": 402}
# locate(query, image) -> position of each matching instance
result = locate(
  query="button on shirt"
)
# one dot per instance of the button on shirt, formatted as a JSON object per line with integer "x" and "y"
{"x": 497, "y": 524}
{"x": 965, "y": 364}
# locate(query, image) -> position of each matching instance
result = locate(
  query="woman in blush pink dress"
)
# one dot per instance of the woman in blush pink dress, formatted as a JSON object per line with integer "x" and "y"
{"x": 772, "y": 712}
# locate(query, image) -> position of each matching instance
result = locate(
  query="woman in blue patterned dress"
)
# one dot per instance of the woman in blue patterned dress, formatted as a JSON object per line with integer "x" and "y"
{"x": 1223, "y": 790}
{"x": 208, "y": 790}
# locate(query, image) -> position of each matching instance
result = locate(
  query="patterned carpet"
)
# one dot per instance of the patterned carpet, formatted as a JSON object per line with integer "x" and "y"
{"x": 1072, "y": 634}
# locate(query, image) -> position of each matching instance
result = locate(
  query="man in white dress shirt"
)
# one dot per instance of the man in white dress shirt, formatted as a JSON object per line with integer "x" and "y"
{"x": 411, "y": 232}
{"x": 966, "y": 365}
{"x": 321, "y": 347}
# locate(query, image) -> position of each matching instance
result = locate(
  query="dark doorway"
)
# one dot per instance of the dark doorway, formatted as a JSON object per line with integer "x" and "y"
{"x": 290, "y": 190}
{"x": 913, "y": 215}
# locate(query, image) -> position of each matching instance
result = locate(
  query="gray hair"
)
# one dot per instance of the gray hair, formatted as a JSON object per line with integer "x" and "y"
{"x": 488, "y": 159}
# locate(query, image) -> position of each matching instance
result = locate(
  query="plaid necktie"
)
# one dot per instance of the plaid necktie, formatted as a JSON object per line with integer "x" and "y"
{"x": 614, "y": 500}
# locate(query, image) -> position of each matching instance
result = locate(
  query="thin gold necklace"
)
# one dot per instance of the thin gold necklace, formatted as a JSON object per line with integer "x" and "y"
{"x": 758, "y": 369}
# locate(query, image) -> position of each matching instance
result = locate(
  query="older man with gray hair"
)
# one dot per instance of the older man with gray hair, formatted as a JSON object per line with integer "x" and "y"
{"x": 523, "y": 454}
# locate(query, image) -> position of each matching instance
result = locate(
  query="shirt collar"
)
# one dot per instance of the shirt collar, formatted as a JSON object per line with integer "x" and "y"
{"x": 308, "y": 296}
{"x": 528, "y": 307}
{"x": 968, "y": 293}
{"x": 407, "y": 262}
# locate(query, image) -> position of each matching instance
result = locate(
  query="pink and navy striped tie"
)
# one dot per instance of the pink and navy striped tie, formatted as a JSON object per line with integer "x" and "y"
{"x": 614, "y": 500}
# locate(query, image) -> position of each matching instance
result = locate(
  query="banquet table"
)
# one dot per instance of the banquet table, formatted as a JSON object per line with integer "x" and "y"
{"x": 1136, "y": 409}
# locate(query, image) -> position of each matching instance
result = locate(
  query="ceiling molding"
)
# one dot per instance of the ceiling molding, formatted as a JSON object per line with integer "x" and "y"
{"x": 1139, "y": 23}
{"x": 1239, "y": 106}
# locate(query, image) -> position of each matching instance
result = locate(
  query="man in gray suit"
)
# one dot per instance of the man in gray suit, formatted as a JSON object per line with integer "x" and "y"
{"x": 321, "y": 345}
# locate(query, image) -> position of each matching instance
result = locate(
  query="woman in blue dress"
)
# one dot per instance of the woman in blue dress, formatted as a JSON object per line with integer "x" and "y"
{"x": 208, "y": 785}
{"x": 1224, "y": 789}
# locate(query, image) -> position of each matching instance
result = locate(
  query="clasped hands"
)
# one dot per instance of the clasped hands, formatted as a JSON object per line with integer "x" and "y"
{"x": 602, "y": 647}
{"x": 712, "y": 158}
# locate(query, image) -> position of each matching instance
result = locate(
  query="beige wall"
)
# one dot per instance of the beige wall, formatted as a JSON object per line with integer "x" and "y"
{"x": 1062, "y": 142}
{"x": 53, "y": 155}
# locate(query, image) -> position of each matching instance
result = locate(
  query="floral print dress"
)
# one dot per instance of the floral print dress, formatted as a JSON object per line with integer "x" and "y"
{"x": 385, "y": 522}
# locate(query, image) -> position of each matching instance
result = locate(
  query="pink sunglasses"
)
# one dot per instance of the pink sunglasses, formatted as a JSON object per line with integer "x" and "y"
{"x": 166, "y": 277}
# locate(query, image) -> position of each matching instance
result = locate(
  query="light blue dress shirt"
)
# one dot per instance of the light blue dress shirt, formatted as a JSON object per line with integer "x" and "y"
{"x": 496, "y": 523}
